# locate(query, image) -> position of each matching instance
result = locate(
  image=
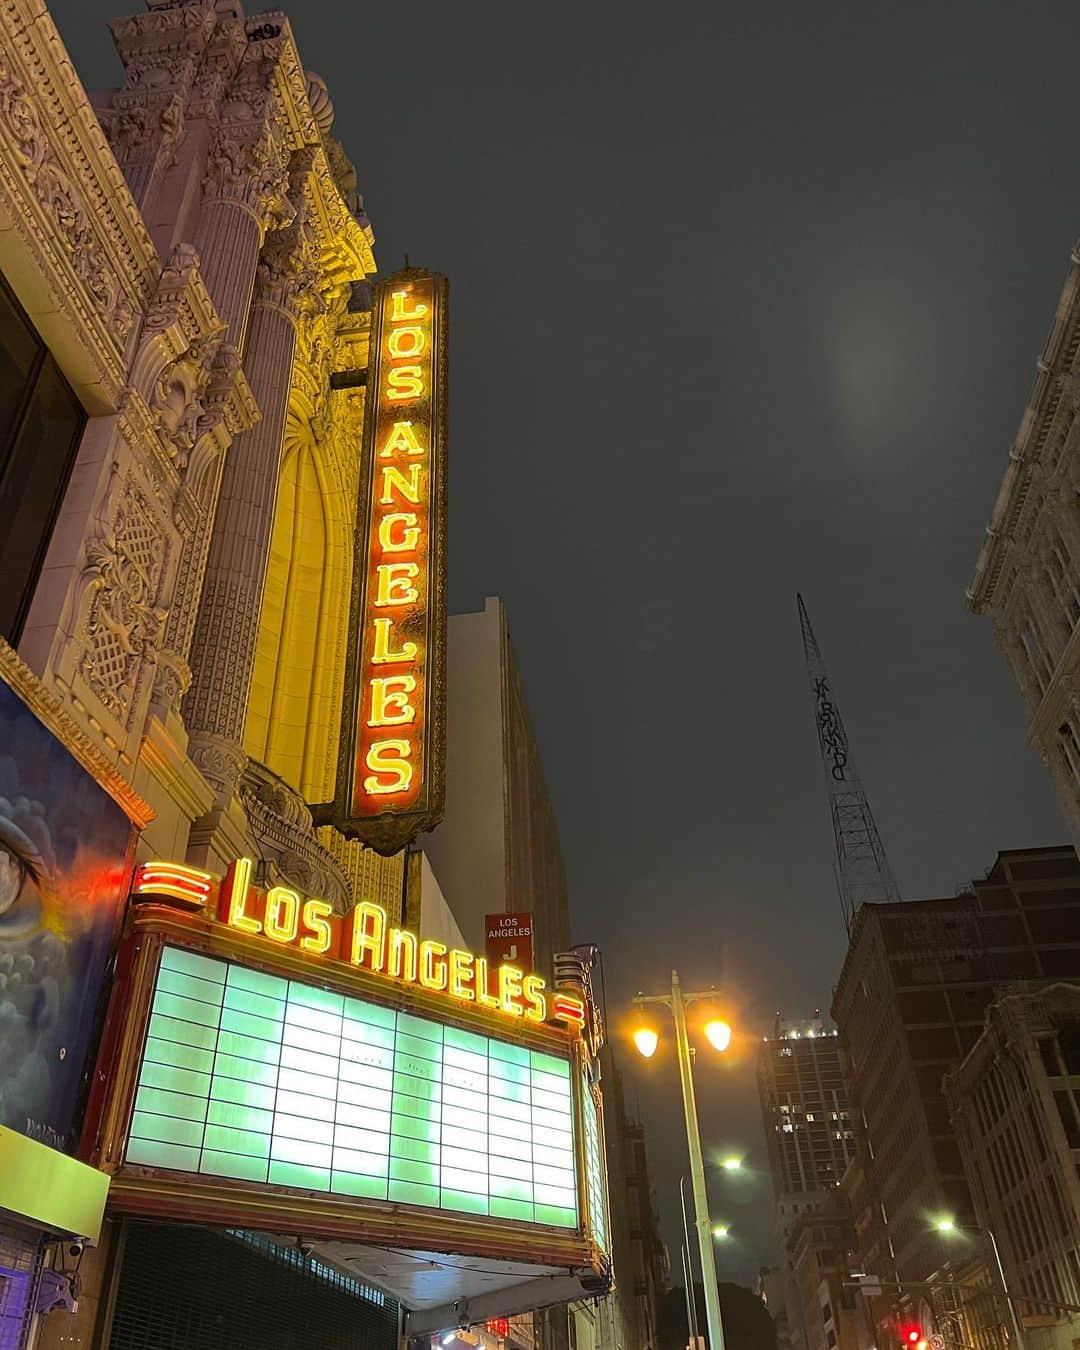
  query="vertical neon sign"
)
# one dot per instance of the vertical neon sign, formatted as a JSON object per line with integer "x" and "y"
{"x": 390, "y": 779}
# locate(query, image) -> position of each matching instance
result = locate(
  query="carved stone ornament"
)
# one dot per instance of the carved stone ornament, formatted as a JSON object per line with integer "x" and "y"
{"x": 59, "y": 199}
{"x": 172, "y": 679}
{"x": 177, "y": 399}
{"x": 249, "y": 164}
{"x": 124, "y": 565}
{"x": 221, "y": 762}
{"x": 289, "y": 270}
{"x": 280, "y": 821}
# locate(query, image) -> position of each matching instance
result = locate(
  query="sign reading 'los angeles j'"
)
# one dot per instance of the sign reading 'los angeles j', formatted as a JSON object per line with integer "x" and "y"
{"x": 390, "y": 772}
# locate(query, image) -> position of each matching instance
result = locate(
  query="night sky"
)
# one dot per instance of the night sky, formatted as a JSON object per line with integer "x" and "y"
{"x": 744, "y": 301}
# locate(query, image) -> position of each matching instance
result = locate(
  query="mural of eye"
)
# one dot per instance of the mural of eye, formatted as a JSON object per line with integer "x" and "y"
{"x": 21, "y": 865}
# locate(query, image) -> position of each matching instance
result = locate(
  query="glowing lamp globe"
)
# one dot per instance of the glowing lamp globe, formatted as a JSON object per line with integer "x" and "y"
{"x": 718, "y": 1034}
{"x": 646, "y": 1041}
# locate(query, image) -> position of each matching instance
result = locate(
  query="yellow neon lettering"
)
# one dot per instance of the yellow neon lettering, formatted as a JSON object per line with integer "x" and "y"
{"x": 484, "y": 996}
{"x": 408, "y": 341}
{"x": 409, "y": 537}
{"x": 401, "y": 961}
{"x": 395, "y": 584}
{"x": 404, "y": 383}
{"x": 238, "y": 916}
{"x": 393, "y": 480}
{"x": 368, "y": 933}
{"x": 402, "y": 437}
{"x": 390, "y": 706}
{"x": 461, "y": 975}
{"x": 510, "y": 979}
{"x": 382, "y": 653}
{"x": 282, "y": 914}
{"x": 388, "y": 757}
{"x": 432, "y": 965}
{"x": 398, "y": 312}
{"x": 314, "y": 916}
{"x": 535, "y": 1003}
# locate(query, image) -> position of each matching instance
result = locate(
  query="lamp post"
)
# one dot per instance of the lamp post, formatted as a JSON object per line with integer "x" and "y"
{"x": 950, "y": 1226}
{"x": 719, "y": 1035}
{"x": 688, "y": 1272}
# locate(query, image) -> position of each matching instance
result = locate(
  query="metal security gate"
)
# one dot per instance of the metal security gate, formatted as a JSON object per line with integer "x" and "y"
{"x": 20, "y": 1273}
{"x": 201, "y": 1289}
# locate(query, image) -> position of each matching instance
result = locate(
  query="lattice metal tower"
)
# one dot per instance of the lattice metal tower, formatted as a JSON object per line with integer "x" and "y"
{"x": 863, "y": 872}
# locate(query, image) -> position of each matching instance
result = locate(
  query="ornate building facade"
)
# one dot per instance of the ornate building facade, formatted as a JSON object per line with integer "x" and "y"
{"x": 1027, "y": 578}
{"x": 1014, "y": 1109}
{"x": 195, "y": 256}
{"x": 185, "y": 318}
{"x": 184, "y": 309}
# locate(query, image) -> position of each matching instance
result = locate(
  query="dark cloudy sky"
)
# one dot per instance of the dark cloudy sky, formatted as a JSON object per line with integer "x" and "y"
{"x": 745, "y": 299}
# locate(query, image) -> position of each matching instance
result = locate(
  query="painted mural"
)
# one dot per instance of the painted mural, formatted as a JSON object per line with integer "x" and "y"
{"x": 64, "y": 846}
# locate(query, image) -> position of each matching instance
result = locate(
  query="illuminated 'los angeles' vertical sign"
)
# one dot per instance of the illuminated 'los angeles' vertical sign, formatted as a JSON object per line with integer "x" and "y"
{"x": 390, "y": 780}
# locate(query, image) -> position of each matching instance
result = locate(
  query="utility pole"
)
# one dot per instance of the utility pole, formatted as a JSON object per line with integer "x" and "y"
{"x": 688, "y": 1272}
{"x": 676, "y": 1001}
{"x": 863, "y": 871}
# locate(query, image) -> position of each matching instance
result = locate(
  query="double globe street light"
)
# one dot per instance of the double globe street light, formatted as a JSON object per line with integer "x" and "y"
{"x": 718, "y": 1034}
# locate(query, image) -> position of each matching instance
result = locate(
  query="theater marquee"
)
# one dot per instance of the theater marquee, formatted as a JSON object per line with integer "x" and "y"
{"x": 268, "y": 1064}
{"x": 390, "y": 772}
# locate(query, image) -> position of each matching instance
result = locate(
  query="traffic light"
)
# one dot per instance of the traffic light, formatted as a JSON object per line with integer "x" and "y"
{"x": 912, "y": 1336}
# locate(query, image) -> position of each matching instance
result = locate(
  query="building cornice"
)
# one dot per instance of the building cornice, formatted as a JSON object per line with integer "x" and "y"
{"x": 87, "y": 265}
{"x": 346, "y": 245}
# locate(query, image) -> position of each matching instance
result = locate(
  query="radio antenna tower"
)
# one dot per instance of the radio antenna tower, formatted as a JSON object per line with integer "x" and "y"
{"x": 863, "y": 872}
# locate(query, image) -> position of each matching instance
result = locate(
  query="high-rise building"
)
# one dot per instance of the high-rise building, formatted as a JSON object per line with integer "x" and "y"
{"x": 909, "y": 1005}
{"x": 806, "y": 1115}
{"x": 818, "y": 1259}
{"x": 1027, "y": 577}
{"x": 809, "y": 1137}
{"x": 1016, "y": 1111}
{"x": 497, "y": 850}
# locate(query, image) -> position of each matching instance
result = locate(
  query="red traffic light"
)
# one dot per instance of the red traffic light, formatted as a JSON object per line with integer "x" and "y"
{"x": 912, "y": 1333}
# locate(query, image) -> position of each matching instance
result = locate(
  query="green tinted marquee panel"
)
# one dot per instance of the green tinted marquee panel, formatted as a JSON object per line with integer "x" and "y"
{"x": 262, "y": 1079}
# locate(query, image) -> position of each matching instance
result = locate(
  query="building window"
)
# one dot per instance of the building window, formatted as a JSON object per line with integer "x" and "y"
{"x": 1059, "y": 566}
{"x": 1037, "y": 660}
{"x": 1070, "y": 746}
{"x": 1069, "y": 1042}
{"x": 1067, "y": 1115}
{"x": 1048, "y": 1051}
{"x": 41, "y": 422}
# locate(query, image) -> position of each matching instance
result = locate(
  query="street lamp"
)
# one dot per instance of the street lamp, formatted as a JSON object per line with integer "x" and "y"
{"x": 949, "y": 1225}
{"x": 732, "y": 1164}
{"x": 721, "y": 1231}
{"x": 646, "y": 1040}
{"x": 719, "y": 1036}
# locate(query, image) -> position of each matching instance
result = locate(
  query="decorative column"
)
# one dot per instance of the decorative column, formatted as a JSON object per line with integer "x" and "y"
{"x": 245, "y": 193}
{"x": 223, "y": 650}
